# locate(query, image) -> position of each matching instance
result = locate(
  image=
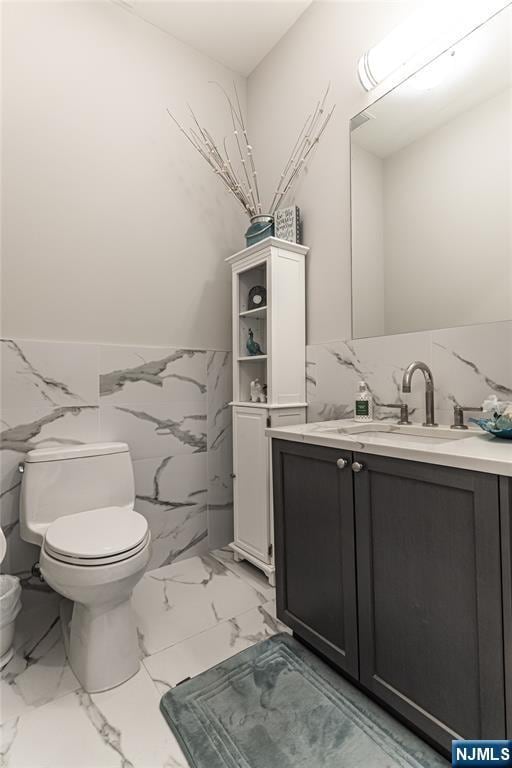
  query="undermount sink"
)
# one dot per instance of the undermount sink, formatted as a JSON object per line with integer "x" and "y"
{"x": 396, "y": 433}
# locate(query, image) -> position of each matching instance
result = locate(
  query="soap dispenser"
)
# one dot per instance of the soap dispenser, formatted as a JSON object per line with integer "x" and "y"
{"x": 363, "y": 410}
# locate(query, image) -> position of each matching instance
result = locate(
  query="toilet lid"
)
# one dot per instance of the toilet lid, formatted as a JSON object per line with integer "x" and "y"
{"x": 97, "y": 533}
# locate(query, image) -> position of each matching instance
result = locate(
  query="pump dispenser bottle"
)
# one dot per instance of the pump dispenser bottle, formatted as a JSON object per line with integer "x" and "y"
{"x": 363, "y": 409}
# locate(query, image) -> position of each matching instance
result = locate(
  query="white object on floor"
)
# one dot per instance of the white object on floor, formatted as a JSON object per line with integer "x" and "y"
{"x": 77, "y": 505}
{"x": 10, "y": 605}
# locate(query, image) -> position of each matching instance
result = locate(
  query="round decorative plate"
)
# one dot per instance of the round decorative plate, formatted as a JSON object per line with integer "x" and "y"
{"x": 257, "y": 297}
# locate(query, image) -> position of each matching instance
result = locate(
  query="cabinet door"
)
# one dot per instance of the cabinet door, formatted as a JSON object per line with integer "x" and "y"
{"x": 506, "y": 579}
{"x": 251, "y": 491}
{"x": 315, "y": 551}
{"x": 429, "y": 587}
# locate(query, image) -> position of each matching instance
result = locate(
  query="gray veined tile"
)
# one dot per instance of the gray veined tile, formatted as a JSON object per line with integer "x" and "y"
{"x": 152, "y": 375}
{"x": 20, "y": 556}
{"x": 172, "y": 481}
{"x": 219, "y": 374}
{"x": 249, "y": 573}
{"x": 186, "y": 536}
{"x": 187, "y": 597}
{"x": 203, "y": 651}
{"x": 8, "y": 733}
{"x": 220, "y": 392}
{"x": 339, "y": 366}
{"x": 122, "y": 727}
{"x": 23, "y": 429}
{"x": 171, "y": 493}
{"x": 311, "y": 374}
{"x": 48, "y": 736}
{"x": 220, "y": 524}
{"x": 38, "y": 672}
{"x": 155, "y": 430}
{"x": 470, "y": 363}
{"x": 49, "y": 374}
{"x": 320, "y": 411}
{"x": 220, "y": 448}
{"x": 131, "y": 713}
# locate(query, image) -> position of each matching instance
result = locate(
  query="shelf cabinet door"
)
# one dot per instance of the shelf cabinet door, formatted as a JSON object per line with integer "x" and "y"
{"x": 429, "y": 589}
{"x": 315, "y": 550}
{"x": 251, "y": 483}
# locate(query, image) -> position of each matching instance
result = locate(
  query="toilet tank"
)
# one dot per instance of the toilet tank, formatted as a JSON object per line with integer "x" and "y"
{"x": 65, "y": 480}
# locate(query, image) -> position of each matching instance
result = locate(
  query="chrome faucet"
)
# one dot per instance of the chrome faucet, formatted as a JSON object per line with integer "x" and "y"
{"x": 429, "y": 389}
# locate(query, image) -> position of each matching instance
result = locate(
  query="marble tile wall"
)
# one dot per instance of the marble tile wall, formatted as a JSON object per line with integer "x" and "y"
{"x": 219, "y": 378}
{"x": 468, "y": 363}
{"x": 169, "y": 405}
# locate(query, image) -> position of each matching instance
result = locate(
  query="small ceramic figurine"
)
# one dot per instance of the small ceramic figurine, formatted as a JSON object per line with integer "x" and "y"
{"x": 257, "y": 394}
{"x": 253, "y": 348}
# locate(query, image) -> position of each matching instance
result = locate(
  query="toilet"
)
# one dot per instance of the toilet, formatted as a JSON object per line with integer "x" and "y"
{"x": 77, "y": 505}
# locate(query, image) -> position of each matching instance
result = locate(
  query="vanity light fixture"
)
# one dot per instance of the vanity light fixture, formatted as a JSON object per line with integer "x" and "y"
{"x": 423, "y": 36}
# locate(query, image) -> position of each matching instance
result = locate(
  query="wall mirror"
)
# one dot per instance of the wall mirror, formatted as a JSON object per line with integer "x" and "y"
{"x": 431, "y": 190}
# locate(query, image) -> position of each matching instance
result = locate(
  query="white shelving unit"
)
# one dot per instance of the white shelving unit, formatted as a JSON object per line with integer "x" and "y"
{"x": 279, "y": 329}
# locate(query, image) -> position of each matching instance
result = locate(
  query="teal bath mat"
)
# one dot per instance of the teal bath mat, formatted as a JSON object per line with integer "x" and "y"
{"x": 276, "y": 705}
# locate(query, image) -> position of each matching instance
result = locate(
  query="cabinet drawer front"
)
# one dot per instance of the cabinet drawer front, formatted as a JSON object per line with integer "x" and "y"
{"x": 429, "y": 585}
{"x": 315, "y": 553}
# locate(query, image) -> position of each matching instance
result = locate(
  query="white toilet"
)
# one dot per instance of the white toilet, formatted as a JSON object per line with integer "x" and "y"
{"x": 77, "y": 505}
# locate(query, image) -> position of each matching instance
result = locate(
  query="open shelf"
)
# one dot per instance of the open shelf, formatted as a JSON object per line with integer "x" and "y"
{"x": 259, "y": 313}
{"x": 251, "y": 367}
{"x": 251, "y": 358}
{"x": 250, "y": 278}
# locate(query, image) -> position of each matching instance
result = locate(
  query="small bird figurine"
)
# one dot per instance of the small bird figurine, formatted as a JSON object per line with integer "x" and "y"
{"x": 253, "y": 347}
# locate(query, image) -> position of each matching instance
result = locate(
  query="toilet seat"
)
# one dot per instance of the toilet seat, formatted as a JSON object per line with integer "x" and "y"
{"x": 97, "y": 536}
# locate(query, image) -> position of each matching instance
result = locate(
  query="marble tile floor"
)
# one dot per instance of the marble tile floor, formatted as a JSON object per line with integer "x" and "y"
{"x": 191, "y": 615}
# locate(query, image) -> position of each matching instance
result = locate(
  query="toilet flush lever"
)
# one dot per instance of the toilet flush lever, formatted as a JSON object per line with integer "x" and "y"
{"x": 21, "y": 468}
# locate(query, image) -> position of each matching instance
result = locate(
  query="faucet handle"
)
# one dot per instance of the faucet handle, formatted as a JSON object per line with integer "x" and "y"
{"x": 404, "y": 411}
{"x": 458, "y": 415}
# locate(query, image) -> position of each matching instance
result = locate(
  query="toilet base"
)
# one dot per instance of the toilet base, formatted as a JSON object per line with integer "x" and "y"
{"x": 101, "y": 643}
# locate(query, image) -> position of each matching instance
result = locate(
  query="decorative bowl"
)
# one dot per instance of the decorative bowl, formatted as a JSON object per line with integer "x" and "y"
{"x": 491, "y": 426}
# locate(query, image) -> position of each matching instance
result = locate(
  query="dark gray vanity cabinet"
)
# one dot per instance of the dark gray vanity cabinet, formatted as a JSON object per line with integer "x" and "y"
{"x": 316, "y": 578}
{"x": 427, "y": 547}
{"x": 429, "y": 595}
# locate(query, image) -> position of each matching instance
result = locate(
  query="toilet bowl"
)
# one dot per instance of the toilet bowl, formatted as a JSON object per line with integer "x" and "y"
{"x": 101, "y": 642}
{"x": 92, "y": 553}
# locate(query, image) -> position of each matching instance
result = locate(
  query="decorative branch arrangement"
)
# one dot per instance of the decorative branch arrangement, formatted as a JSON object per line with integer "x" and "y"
{"x": 242, "y": 182}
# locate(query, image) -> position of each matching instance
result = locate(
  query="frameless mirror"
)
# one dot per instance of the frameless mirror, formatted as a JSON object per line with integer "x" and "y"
{"x": 431, "y": 187}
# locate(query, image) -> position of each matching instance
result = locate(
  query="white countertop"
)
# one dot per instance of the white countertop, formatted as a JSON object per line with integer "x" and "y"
{"x": 464, "y": 449}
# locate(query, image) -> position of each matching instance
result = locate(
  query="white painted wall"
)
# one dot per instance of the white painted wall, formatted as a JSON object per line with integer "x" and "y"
{"x": 448, "y": 223}
{"x": 323, "y": 46}
{"x": 368, "y": 269}
{"x": 113, "y": 229}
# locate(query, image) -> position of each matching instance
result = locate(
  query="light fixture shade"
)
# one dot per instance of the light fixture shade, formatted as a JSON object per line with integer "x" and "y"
{"x": 423, "y": 36}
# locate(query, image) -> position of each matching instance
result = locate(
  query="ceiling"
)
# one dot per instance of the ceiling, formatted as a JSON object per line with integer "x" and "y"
{"x": 236, "y": 33}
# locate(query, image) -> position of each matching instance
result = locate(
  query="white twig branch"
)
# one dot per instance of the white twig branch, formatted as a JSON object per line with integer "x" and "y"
{"x": 243, "y": 183}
